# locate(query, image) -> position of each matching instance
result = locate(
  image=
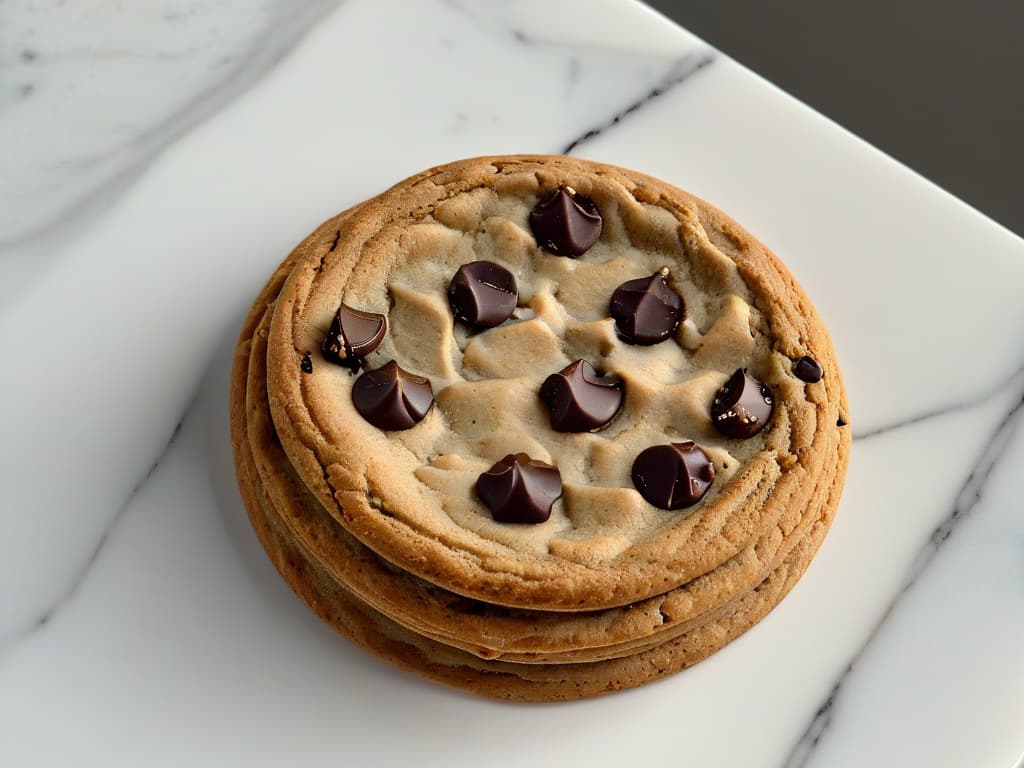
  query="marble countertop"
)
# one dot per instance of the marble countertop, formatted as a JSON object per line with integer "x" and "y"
{"x": 161, "y": 157}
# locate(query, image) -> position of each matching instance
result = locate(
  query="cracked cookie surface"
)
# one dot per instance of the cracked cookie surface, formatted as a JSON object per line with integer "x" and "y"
{"x": 408, "y": 496}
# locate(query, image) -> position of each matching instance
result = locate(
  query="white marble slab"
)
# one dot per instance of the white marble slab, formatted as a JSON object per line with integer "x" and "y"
{"x": 91, "y": 92}
{"x": 140, "y": 622}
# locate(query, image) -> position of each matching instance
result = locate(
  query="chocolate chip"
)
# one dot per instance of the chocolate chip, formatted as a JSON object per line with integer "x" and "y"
{"x": 808, "y": 369}
{"x": 579, "y": 399}
{"x": 646, "y": 310}
{"x": 390, "y": 397}
{"x": 353, "y": 335}
{"x": 483, "y": 294}
{"x": 840, "y": 422}
{"x": 567, "y": 223}
{"x": 519, "y": 489}
{"x": 673, "y": 476}
{"x": 742, "y": 407}
{"x": 307, "y": 363}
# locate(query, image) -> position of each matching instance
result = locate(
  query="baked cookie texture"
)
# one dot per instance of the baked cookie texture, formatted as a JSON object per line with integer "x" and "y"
{"x": 383, "y": 532}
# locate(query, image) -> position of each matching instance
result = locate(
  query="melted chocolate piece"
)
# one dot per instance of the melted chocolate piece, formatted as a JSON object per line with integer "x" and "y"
{"x": 520, "y": 490}
{"x": 808, "y": 369}
{"x": 646, "y": 310}
{"x": 483, "y": 294}
{"x": 567, "y": 223}
{"x": 390, "y": 397}
{"x": 673, "y": 476}
{"x": 353, "y": 335}
{"x": 579, "y": 399}
{"x": 307, "y": 363}
{"x": 742, "y": 407}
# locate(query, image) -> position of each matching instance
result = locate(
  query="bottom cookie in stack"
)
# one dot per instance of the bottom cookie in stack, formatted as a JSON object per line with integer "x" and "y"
{"x": 492, "y": 650}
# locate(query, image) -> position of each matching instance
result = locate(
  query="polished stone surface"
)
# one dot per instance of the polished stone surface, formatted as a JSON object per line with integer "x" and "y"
{"x": 140, "y": 623}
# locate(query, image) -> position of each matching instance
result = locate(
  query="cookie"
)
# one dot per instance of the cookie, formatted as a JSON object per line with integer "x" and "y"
{"x": 596, "y": 254}
{"x": 537, "y": 428}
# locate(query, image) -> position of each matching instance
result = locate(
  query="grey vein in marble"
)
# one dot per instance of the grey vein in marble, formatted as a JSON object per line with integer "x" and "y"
{"x": 56, "y": 65}
{"x": 69, "y": 594}
{"x": 683, "y": 69}
{"x": 488, "y": 20}
{"x": 979, "y": 399}
{"x": 967, "y": 499}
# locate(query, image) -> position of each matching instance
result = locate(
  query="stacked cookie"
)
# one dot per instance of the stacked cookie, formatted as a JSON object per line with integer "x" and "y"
{"x": 536, "y": 427}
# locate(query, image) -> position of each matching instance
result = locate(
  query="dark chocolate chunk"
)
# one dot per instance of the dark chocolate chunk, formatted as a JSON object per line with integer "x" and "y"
{"x": 519, "y": 489}
{"x": 567, "y": 223}
{"x": 579, "y": 399}
{"x": 390, "y": 397}
{"x": 840, "y": 422}
{"x": 646, "y": 310}
{"x": 808, "y": 369}
{"x": 483, "y": 294}
{"x": 742, "y": 407}
{"x": 353, "y": 335}
{"x": 307, "y": 363}
{"x": 673, "y": 476}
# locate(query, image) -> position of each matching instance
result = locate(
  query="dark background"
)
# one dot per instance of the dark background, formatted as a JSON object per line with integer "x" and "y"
{"x": 938, "y": 85}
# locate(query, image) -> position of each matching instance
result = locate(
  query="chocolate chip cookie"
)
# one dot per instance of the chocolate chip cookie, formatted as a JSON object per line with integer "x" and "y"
{"x": 540, "y": 410}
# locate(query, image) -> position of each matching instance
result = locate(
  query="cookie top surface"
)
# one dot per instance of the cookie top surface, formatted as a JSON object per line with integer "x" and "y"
{"x": 409, "y": 491}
